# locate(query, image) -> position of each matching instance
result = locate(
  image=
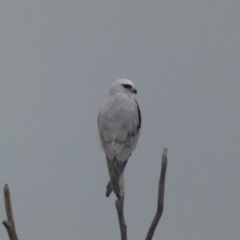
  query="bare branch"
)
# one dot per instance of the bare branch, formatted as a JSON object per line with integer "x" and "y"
{"x": 160, "y": 197}
{"x": 9, "y": 224}
{"x": 120, "y": 210}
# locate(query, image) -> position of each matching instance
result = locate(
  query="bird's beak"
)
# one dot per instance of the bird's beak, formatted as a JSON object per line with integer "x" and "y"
{"x": 134, "y": 90}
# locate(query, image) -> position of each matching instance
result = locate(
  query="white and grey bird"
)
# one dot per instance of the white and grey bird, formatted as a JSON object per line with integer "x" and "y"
{"x": 119, "y": 123}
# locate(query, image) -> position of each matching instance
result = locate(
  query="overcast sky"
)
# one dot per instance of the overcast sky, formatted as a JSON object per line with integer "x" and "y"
{"x": 57, "y": 60}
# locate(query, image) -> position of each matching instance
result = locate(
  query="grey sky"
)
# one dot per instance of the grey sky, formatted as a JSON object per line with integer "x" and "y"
{"x": 57, "y": 61}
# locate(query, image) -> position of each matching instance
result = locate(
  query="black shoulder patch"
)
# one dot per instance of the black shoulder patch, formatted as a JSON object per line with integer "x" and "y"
{"x": 139, "y": 116}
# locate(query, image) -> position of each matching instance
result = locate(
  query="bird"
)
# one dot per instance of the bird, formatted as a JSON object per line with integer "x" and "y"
{"x": 119, "y": 124}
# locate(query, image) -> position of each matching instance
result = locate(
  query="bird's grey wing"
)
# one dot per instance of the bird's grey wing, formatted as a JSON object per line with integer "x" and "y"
{"x": 124, "y": 145}
{"x": 128, "y": 132}
{"x": 119, "y": 123}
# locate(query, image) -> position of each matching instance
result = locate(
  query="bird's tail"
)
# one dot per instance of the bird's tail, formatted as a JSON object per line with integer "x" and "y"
{"x": 115, "y": 169}
{"x": 109, "y": 188}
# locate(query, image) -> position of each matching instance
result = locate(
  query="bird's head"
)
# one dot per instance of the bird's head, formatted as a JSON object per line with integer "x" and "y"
{"x": 123, "y": 86}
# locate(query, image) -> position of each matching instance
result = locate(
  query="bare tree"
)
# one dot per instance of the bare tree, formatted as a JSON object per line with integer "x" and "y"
{"x": 10, "y": 225}
{"x": 161, "y": 186}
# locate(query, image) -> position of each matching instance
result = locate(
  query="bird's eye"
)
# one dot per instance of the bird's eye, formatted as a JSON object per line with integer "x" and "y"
{"x": 127, "y": 86}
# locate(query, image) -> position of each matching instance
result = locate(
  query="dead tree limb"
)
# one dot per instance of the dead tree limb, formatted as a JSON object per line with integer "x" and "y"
{"x": 9, "y": 224}
{"x": 120, "y": 204}
{"x": 160, "y": 197}
{"x": 120, "y": 210}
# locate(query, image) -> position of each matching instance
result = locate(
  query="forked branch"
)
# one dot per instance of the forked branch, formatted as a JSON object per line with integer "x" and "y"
{"x": 120, "y": 204}
{"x": 9, "y": 224}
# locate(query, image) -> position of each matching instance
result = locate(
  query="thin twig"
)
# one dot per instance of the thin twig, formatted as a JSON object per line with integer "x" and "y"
{"x": 9, "y": 224}
{"x": 160, "y": 197}
{"x": 120, "y": 210}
